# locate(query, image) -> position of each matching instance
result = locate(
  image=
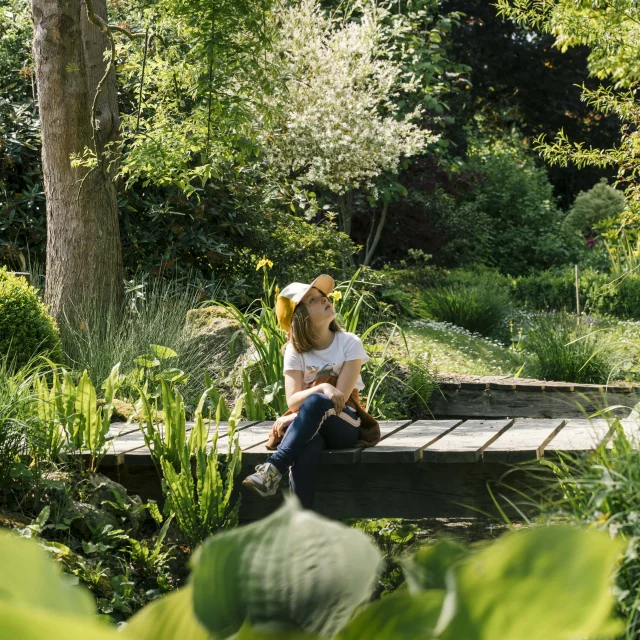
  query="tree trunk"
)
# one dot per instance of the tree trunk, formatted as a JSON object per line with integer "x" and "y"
{"x": 84, "y": 253}
{"x": 345, "y": 206}
{"x": 373, "y": 243}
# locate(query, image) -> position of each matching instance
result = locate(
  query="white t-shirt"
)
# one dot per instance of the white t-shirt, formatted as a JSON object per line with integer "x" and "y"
{"x": 345, "y": 346}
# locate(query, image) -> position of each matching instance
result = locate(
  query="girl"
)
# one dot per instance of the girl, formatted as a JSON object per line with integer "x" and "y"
{"x": 322, "y": 382}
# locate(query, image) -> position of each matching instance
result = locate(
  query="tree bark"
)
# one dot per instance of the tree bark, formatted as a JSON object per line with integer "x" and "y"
{"x": 84, "y": 253}
{"x": 373, "y": 243}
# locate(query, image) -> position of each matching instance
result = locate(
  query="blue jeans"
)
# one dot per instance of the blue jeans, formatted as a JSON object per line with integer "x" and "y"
{"x": 315, "y": 428}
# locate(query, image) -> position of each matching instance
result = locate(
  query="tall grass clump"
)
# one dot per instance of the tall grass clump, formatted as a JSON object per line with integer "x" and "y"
{"x": 602, "y": 491}
{"x": 18, "y": 421}
{"x": 479, "y": 308}
{"x": 154, "y": 314}
{"x": 564, "y": 351}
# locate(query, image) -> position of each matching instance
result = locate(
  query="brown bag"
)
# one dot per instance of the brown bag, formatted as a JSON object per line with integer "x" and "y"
{"x": 369, "y": 426}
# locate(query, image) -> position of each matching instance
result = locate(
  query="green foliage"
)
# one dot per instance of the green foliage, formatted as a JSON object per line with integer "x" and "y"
{"x": 599, "y": 292}
{"x": 153, "y": 319}
{"x": 480, "y": 308}
{"x": 591, "y": 207}
{"x": 70, "y": 416}
{"x": 525, "y": 224}
{"x": 245, "y": 569}
{"x": 26, "y": 328}
{"x": 18, "y": 422}
{"x": 394, "y": 539}
{"x": 240, "y": 584}
{"x": 462, "y": 226}
{"x": 612, "y": 38}
{"x": 22, "y": 215}
{"x": 568, "y": 352}
{"x": 260, "y": 325}
{"x": 201, "y": 505}
{"x": 602, "y": 491}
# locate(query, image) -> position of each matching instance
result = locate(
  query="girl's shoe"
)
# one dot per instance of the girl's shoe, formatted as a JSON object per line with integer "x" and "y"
{"x": 264, "y": 481}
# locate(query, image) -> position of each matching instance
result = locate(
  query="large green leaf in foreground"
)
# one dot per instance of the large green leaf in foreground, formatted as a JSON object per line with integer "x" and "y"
{"x": 551, "y": 583}
{"x": 29, "y": 577}
{"x": 293, "y": 569}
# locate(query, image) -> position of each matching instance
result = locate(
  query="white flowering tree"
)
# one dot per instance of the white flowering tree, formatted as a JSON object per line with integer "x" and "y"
{"x": 338, "y": 123}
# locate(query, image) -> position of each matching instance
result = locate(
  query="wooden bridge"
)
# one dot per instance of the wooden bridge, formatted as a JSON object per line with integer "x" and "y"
{"x": 421, "y": 469}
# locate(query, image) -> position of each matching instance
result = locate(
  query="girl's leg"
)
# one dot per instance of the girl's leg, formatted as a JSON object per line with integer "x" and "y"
{"x": 337, "y": 432}
{"x": 302, "y": 475}
{"x": 343, "y": 431}
{"x": 312, "y": 414}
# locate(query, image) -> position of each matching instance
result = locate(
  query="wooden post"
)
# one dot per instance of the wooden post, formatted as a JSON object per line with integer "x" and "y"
{"x": 577, "y": 297}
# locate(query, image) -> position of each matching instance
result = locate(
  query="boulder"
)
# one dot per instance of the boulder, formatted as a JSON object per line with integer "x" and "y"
{"x": 86, "y": 519}
{"x": 101, "y": 491}
{"x": 211, "y": 330}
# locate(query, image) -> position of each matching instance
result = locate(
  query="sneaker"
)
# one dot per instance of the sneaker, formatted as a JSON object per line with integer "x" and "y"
{"x": 264, "y": 481}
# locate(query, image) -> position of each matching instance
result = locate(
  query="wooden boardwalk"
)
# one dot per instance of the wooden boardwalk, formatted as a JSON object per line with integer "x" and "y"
{"x": 404, "y": 441}
{"x": 426, "y": 468}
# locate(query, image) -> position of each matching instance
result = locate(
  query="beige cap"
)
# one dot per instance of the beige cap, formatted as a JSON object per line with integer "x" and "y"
{"x": 289, "y": 297}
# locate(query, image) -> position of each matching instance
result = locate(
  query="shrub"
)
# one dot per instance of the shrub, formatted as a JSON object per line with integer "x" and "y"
{"x": 564, "y": 351}
{"x": 599, "y": 293}
{"x": 479, "y": 308}
{"x": 590, "y": 207}
{"x": 26, "y": 329}
{"x": 525, "y": 224}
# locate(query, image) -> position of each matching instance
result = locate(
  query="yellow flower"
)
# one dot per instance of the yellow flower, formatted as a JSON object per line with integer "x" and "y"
{"x": 277, "y": 291}
{"x": 264, "y": 262}
{"x": 336, "y": 295}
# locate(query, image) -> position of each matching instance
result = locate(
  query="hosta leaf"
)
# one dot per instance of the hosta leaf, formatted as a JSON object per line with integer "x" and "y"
{"x": 427, "y": 567}
{"x": 147, "y": 361}
{"x": 29, "y": 577}
{"x": 550, "y": 582}
{"x": 293, "y": 569}
{"x": 26, "y": 623}
{"x": 400, "y": 616}
{"x": 169, "y": 618}
{"x": 163, "y": 352}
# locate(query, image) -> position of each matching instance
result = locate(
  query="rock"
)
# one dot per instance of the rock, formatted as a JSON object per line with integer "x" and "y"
{"x": 211, "y": 330}
{"x": 87, "y": 518}
{"x": 122, "y": 410}
{"x": 102, "y": 490}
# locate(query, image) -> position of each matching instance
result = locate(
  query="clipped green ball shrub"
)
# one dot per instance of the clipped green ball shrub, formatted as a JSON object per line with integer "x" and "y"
{"x": 26, "y": 328}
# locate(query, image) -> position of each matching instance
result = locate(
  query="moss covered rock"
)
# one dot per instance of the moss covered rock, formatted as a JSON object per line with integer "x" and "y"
{"x": 212, "y": 331}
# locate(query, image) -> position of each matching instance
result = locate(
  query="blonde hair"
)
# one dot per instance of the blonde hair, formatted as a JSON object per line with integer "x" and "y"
{"x": 302, "y": 334}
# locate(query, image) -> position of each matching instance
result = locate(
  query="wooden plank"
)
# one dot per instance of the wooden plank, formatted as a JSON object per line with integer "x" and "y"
{"x": 119, "y": 429}
{"x": 552, "y": 402}
{"x": 353, "y": 455}
{"x": 525, "y": 440}
{"x": 419, "y": 490}
{"x": 407, "y": 444}
{"x": 136, "y": 452}
{"x": 466, "y": 442}
{"x": 250, "y": 437}
{"x": 579, "y": 435}
{"x": 259, "y": 453}
{"x": 631, "y": 428}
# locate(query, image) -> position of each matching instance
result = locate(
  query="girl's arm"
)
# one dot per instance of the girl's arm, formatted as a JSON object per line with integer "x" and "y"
{"x": 348, "y": 377}
{"x": 296, "y": 395}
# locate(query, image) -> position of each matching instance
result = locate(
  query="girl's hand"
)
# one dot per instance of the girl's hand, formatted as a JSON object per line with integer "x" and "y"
{"x": 281, "y": 424}
{"x": 336, "y": 396}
